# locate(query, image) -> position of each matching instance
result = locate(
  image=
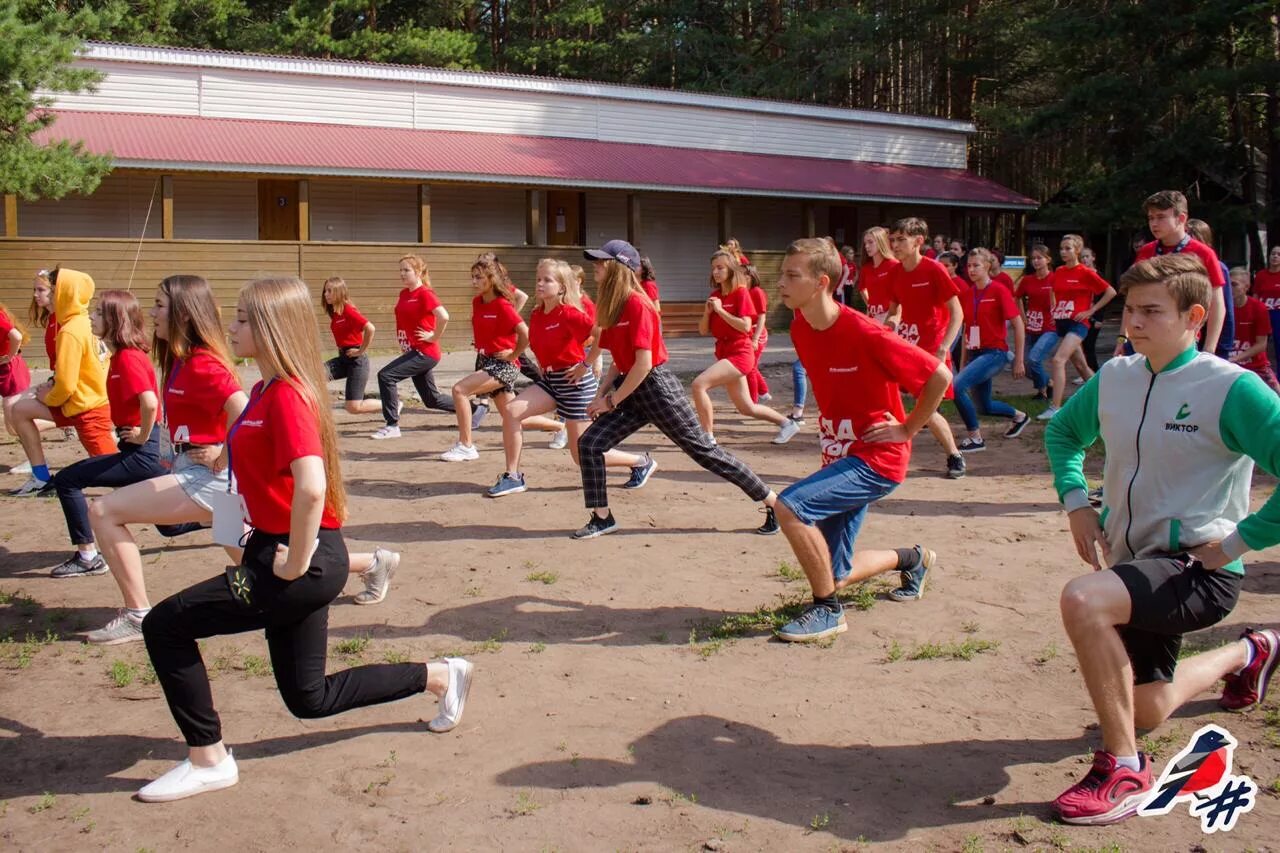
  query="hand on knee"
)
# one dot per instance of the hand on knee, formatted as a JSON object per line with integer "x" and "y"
{"x": 1080, "y": 606}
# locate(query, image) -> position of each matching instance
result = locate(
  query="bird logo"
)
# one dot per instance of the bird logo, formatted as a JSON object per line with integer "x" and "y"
{"x": 1197, "y": 768}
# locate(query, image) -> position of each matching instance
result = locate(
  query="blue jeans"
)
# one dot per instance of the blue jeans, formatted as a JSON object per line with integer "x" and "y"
{"x": 1037, "y": 351}
{"x": 836, "y": 498}
{"x": 799, "y": 384}
{"x": 132, "y": 464}
{"x": 983, "y": 366}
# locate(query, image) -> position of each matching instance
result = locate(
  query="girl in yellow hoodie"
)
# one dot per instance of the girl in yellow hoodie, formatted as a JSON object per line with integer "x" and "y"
{"x": 76, "y": 396}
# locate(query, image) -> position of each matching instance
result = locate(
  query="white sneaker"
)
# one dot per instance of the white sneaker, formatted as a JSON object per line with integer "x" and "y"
{"x": 460, "y": 453}
{"x": 560, "y": 440}
{"x": 377, "y": 578}
{"x": 711, "y": 437}
{"x": 477, "y": 417}
{"x": 1047, "y": 414}
{"x": 120, "y": 630}
{"x": 764, "y": 398}
{"x": 455, "y": 698}
{"x": 23, "y": 467}
{"x": 187, "y": 780}
{"x": 31, "y": 487}
{"x": 786, "y": 431}
{"x": 1077, "y": 381}
{"x": 387, "y": 431}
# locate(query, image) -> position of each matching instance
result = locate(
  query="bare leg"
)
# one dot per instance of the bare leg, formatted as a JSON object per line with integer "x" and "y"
{"x": 810, "y": 548}
{"x": 612, "y": 458}
{"x": 740, "y": 395}
{"x": 363, "y": 407}
{"x": 476, "y": 383}
{"x": 1092, "y": 606}
{"x": 868, "y": 564}
{"x": 1058, "y": 369}
{"x": 1155, "y": 701}
{"x": 941, "y": 430}
{"x": 541, "y": 422}
{"x": 1081, "y": 365}
{"x": 26, "y": 415}
{"x": 531, "y": 403}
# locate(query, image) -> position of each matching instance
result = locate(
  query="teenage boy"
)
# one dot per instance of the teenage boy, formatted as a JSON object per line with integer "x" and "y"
{"x": 1252, "y": 330}
{"x": 1173, "y": 540}
{"x": 925, "y": 311}
{"x": 859, "y": 369}
{"x": 1167, "y": 220}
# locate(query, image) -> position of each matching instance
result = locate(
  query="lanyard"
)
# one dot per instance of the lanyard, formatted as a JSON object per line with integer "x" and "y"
{"x": 253, "y": 401}
{"x": 1178, "y": 249}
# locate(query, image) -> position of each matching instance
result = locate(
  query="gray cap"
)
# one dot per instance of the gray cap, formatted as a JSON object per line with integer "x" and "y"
{"x": 616, "y": 250}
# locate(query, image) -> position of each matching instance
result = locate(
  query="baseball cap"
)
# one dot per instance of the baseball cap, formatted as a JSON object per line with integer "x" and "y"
{"x": 616, "y": 250}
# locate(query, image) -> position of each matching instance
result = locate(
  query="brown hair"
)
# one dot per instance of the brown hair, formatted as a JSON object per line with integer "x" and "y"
{"x": 419, "y": 266}
{"x": 620, "y": 284}
{"x": 737, "y": 278}
{"x": 36, "y": 313}
{"x": 1043, "y": 251}
{"x": 282, "y": 320}
{"x": 122, "y": 324}
{"x": 1200, "y": 230}
{"x": 1166, "y": 200}
{"x": 340, "y": 297}
{"x": 912, "y": 226}
{"x": 1183, "y": 275}
{"x": 821, "y": 257}
{"x": 987, "y": 257}
{"x": 1076, "y": 241}
{"x": 496, "y": 274}
{"x": 195, "y": 322}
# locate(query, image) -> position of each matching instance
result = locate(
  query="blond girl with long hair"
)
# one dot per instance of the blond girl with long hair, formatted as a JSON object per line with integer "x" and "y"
{"x": 878, "y": 264}
{"x": 283, "y": 454}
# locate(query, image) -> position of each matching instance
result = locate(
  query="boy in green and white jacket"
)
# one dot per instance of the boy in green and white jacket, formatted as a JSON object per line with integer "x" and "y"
{"x": 1182, "y": 431}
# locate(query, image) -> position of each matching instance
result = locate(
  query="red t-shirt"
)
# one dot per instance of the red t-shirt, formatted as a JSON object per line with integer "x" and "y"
{"x": 129, "y": 375}
{"x": 1038, "y": 292}
{"x": 493, "y": 324}
{"x": 6, "y": 326}
{"x": 1004, "y": 278}
{"x": 1266, "y": 286}
{"x": 986, "y": 312}
{"x": 923, "y": 292}
{"x": 875, "y": 281}
{"x": 737, "y": 302}
{"x": 650, "y": 288}
{"x": 276, "y": 427}
{"x": 1074, "y": 289}
{"x": 415, "y": 309}
{"x": 1205, "y": 253}
{"x": 589, "y": 307}
{"x": 348, "y": 327}
{"x": 1252, "y": 322}
{"x": 556, "y": 337}
{"x": 50, "y": 341}
{"x": 194, "y": 396}
{"x": 859, "y": 370}
{"x": 637, "y": 328}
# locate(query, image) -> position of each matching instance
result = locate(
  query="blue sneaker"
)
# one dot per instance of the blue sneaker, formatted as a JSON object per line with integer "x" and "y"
{"x": 817, "y": 622}
{"x": 913, "y": 578}
{"x": 507, "y": 485}
{"x": 641, "y": 473}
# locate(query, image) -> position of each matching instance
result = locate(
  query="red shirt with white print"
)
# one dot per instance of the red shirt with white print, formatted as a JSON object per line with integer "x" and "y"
{"x": 128, "y": 377}
{"x": 1074, "y": 289}
{"x": 556, "y": 337}
{"x": 923, "y": 294}
{"x": 1039, "y": 292}
{"x": 415, "y": 310}
{"x": 194, "y": 397}
{"x": 348, "y": 327}
{"x": 276, "y": 427}
{"x": 1252, "y": 322}
{"x": 1266, "y": 286}
{"x": 875, "y": 281}
{"x": 637, "y": 328}
{"x": 986, "y": 312}
{"x": 493, "y": 324}
{"x": 859, "y": 370}
{"x": 737, "y": 303}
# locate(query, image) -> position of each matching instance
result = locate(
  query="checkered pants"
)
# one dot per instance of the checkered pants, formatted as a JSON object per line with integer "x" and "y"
{"x": 660, "y": 400}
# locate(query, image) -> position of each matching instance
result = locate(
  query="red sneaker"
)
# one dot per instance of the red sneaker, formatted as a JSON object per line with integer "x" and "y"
{"x": 1249, "y": 688}
{"x": 1107, "y": 794}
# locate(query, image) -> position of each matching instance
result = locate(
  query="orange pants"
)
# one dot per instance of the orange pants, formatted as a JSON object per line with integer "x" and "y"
{"x": 94, "y": 428}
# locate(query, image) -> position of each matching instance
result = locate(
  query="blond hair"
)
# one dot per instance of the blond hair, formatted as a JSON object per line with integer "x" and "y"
{"x": 570, "y": 290}
{"x": 1183, "y": 275}
{"x": 419, "y": 266}
{"x": 1075, "y": 241}
{"x": 821, "y": 257}
{"x": 881, "y": 237}
{"x": 282, "y": 321}
{"x": 987, "y": 257}
{"x": 737, "y": 278}
{"x": 619, "y": 285}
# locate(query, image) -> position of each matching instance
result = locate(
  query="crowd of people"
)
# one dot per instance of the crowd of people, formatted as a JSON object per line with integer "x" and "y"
{"x": 167, "y": 426}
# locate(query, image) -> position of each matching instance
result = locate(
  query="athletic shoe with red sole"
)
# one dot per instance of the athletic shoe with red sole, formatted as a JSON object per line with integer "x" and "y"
{"x": 1249, "y": 688}
{"x": 1107, "y": 794}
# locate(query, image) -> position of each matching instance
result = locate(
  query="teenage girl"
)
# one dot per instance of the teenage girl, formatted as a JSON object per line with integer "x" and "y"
{"x": 420, "y": 321}
{"x": 728, "y": 315}
{"x": 989, "y": 310}
{"x": 638, "y": 389}
{"x": 649, "y": 283}
{"x": 559, "y": 328}
{"x": 734, "y": 248}
{"x": 1034, "y": 292}
{"x": 76, "y": 396}
{"x": 283, "y": 454}
{"x": 1074, "y": 286}
{"x": 500, "y": 337}
{"x": 756, "y": 383}
{"x": 878, "y": 265}
{"x": 15, "y": 378}
{"x": 1266, "y": 286}
{"x": 353, "y": 335}
{"x": 135, "y": 411}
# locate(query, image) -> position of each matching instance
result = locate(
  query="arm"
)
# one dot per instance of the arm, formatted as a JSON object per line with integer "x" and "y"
{"x": 519, "y": 298}
{"x": 522, "y": 344}
{"x": 609, "y": 400}
{"x": 1066, "y": 438}
{"x": 606, "y": 382}
{"x": 1212, "y": 326}
{"x": 15, "y": 344}
{"x": 366, "y": 339}
{"x": 757, "y": 329}
{"x": 704, "y": 322}
{"x": 1107, "y": 296}
{"x": 742, "y": 324}
{"x": 309, "y": 487}
{"x": 894, "y": 315}
{"x": 955, "y": 319}
{"x": 1019, "y": 346}
{"x": 67, "y": 374}
{"x": 591, "y": 359}
{"x": 442, "y": 322}
{"x": 1249, "y": 423}
{"x": 889, "y": 430}
{"x": 232, "y": 408}
{"x": 1259, "y": 345}
{"x": 148, "y": 408}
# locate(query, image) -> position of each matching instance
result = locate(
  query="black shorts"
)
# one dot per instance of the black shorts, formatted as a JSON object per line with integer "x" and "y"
{"x": 1170, "y": 596}
{"x": 505, "y": 372}
{"x": 354, "y": 370}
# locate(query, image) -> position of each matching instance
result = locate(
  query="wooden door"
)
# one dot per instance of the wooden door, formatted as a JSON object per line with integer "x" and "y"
{"x": 564, "y": 218}
{"x": 277, "y": 210}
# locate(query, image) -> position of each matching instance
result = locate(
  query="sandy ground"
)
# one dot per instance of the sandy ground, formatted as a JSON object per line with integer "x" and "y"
{"x": 609, "y": 712}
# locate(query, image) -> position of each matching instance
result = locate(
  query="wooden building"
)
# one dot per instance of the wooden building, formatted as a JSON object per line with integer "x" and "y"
{"x": 228, "y": 165}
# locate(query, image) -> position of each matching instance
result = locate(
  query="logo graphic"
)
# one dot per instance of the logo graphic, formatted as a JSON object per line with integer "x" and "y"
{"x": 1201, "y": 775}
{"x": 1183, "y": 413}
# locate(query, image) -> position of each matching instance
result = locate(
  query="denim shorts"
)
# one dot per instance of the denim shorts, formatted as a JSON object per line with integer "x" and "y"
{"x": 198, "y": 481}
{"x": 1071, "y": 327}
{"x": 835, "y": 499}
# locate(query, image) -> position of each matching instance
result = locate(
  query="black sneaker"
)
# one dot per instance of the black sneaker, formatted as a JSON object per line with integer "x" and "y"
{"x": 641, "y": 473}
{"x": 1016, "y": 427}
{"x": 172, "y": 530}
{"x": 1095, "y": 497}
{"x": 78, "y": 567}
{"x": 972, "y": 445}
{"x": 955, "y": 466}
{"x": 596, "y": 526}
{"x": 770, "y": 525}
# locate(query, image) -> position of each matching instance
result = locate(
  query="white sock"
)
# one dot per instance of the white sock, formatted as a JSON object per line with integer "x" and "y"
{"x": 137, "y": 614}
{"x": 87, "y": 552}
{"x": 1129, "y": 761}
{"x": 1249, "y": 652}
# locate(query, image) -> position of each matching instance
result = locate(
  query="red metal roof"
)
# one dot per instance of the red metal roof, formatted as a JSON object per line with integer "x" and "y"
{"x": 187, "y": 143}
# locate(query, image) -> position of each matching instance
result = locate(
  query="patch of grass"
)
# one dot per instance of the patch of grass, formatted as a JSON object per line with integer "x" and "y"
{"x": 493, "y": 644}
{"x": 1047, "y": 654}
{"x": 819, "y": 822}
{"x": 536, "y": 649}
{"x": 674, "y": 797}
{"x": 257, "y": 666}
{"x": 122, "y": 673}
{"x": 894, "y": 653}
{"x": 1274, "y": 787}
{"x": 377, "y": 786}
{"x": 22, "y": 655}
{"x": 352, "y": 646}
{"x": 1157, "y": 746}
{"x": 788, "y": 572}
{"x": 544, "y": 577}
{"x": 970, "y": 627}
{"x": 965, "y": 650}
{"x": 43, "y": 804}
{"x": 525, "y": 805}
{"x": 473, "y": 592}
{"x": 664, "y": 637}
{"x": 394, "y": 656}
{"x": 972, "y": 844}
